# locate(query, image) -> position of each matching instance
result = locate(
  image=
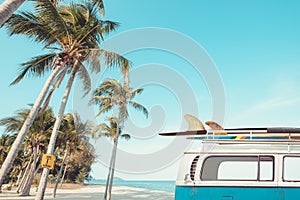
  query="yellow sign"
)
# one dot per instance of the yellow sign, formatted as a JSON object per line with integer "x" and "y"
{"x": 48, "y": 161}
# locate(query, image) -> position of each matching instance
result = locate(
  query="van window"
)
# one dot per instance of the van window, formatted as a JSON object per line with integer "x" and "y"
{"x": 244, "y": 168}
{"x": 291, "y": 166}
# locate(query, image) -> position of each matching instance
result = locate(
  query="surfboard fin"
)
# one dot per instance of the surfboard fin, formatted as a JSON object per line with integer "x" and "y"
{"x": 215, "y": 126}
{"x": 193, "y": 123}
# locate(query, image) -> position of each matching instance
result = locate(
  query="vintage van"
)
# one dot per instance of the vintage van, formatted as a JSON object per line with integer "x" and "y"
{"x": 256, "y": 164}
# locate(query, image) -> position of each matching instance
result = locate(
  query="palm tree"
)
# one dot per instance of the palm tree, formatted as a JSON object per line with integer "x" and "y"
{"x": 108, "y": 95}
{"x": 111, "y": 132}
{"x": 75, "y": 32}
{"x": 36, "y": 139}
{"x": 75, "y": 137}
{"x": 84, "y": 48}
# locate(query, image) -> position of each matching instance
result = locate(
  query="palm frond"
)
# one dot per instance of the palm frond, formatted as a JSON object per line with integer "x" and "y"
{"x": 85, "y": 24}
{"x": 108, "y": 88}
{"x": 112, "y": 120}
{"x": 102, "y": 101}
{"x": 101, "y": 92}
{"x": 66, "y": 12}
{"x": 92, "y": 58}
{"x": 30, "y": 25}
{"x": 139, "y": 107}
{"x": 135, "y": 92}
{"x": 112, "y": 59}
{"x": 100, "y": 6}
{"x": 53, "y": 19}
{"x": 106, "y": 27}
{"x": 111, "y": 129}
{"x": 93, "y": 29}
{"x": 111, "y": 87}
{"x": 125, "y": 136}
{"x": 103, "y": 126}
{"x": 83, "y": 74}
{"x": 37, "y": 66}
{"x": 105, "y": 109}
{"x": 11, "y": 124}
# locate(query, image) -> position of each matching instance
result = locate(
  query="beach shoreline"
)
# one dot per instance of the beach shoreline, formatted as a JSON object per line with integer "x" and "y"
{"x": 81, "y": 192}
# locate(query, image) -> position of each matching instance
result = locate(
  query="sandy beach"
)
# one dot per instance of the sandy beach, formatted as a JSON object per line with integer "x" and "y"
{"x": 95, "y": 192}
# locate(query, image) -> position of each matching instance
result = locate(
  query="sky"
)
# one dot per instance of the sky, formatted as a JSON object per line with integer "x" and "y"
{"x": 236, "y": 61}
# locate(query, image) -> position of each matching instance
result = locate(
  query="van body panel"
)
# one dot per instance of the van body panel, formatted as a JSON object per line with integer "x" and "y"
{"x": 235, "y": 193}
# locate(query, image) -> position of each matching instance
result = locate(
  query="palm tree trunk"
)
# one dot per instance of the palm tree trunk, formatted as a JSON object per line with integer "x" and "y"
{"x": 113, "y": 159}
{"x": 26, "y": 190}
{"x": 25, "y": 180}
{"x": 108, "y": 178}
{"x": 63, "y": 176}
{"x": 126, "y": 78}
{"x": 6, "y": 166}
{"x": 7, "y": 8}
{"x": 19, "y": 177}
{"x": 37, "y": 170}
{"x": 111, "y": 178}
{"x": 56, "y": 85}
{"x": 51, "y": 146}
{"x": 60, "y": 172}
{"x": 20, "y": 187}
{"x": 35, "y": 173}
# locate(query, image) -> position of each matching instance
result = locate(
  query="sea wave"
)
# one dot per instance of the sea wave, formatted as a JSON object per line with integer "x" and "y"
{"x": 160, "y": 185}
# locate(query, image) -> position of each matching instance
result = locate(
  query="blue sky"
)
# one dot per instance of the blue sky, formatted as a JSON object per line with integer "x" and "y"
{"x": 254, "y": 45}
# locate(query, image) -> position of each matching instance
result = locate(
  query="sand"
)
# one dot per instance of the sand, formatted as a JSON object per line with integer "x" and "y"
{"x": 95, "y": 192}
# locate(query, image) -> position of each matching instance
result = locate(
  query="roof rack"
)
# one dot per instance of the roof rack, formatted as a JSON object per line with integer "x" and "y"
{"x": 243, "y": 135}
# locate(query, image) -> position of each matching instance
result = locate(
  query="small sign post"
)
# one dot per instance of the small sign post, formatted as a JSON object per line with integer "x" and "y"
{"x": 48, "y": 161}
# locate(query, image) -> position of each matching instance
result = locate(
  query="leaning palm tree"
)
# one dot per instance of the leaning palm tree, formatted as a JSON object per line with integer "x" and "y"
{"x": 36, "y": 139}
{"x": 73, "y": 32}
{"x": 112, "y": 94}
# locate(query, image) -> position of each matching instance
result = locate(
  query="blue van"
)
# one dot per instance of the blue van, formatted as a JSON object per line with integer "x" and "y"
{"x": 256, "y": 164}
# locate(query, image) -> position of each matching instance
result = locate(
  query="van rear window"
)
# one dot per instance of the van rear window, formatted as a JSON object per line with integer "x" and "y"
{"x": 291, "y": 166}
{"x": 238, "y": 168}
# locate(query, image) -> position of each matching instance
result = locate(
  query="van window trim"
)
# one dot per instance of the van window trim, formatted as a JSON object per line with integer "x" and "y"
{"x": 258, "y": 168}
{"x": 291, "y": 156}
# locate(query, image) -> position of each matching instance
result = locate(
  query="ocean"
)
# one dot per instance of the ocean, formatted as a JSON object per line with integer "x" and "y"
{"x": 167, "y": 186}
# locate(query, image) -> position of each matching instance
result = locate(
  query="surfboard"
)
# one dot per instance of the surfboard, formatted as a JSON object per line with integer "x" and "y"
{"x": 272, "y": 133}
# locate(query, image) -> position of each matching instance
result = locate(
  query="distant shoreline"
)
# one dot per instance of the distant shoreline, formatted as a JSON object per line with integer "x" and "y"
{"x": 91, "y": 192}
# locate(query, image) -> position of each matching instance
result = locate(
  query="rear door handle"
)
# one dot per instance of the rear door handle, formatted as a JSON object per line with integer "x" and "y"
{"x": 227, "y": 198}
